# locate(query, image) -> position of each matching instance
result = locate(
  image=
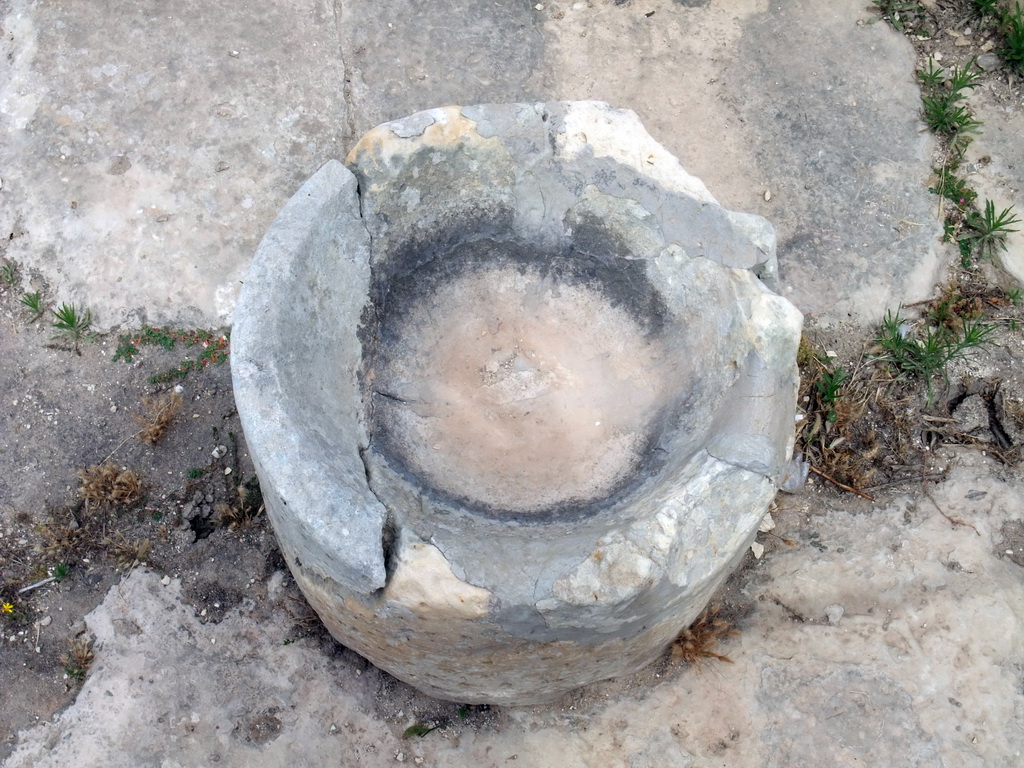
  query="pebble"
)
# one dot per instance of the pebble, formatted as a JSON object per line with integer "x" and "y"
{"x": 767, "y": 195}
{"x": 989, "y": 61}
{"x": 219, "y": 451}
{"x": 166, "y": 580}
{"x": 46, "y": 621}
{"x": 834, "y": 613}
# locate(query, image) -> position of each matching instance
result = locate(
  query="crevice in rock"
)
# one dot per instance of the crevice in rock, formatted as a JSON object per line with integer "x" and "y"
{"x": 349, "y": 136}
{"x": 1002, "y": 438}
{"x": 389, "y": 530}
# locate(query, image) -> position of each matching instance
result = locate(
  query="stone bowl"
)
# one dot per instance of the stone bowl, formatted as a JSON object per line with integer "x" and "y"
{"x": 518, "y": 392}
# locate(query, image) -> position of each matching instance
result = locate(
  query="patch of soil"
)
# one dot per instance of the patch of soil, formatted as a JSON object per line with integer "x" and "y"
{"x": 197, "y": 515}
{"x": 883, "y": 426}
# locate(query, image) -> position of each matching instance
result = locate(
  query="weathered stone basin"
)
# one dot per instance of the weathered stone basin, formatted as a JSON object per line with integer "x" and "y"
{"x": 518, "y": 393}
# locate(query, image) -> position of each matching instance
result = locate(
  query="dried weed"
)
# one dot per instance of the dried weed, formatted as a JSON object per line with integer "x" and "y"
{"x": 249, "y": 507}
{"x": 159, "y": 412}
{"x": 59, "y": 541}
{"x": 127, "y": 553}
{"x": 109, "y": 484}
{"x": 696, "y": 643}
{"x": 78, "y": 659}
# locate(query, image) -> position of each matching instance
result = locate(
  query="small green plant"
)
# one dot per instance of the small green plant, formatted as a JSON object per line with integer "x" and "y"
{"x": 196, "y": 472}
{"x": 60, "y": 571}
{"x": 418, "y": 730}
{"x": 953, "y": 188}
{"x": 1016, "y": 296}
{"x": 987, "y": 7}
{"x": 829, "y": 387}
{"x": 924, "y": 356}
{"x": 72, "y": 325}
{"x": 942, "y": 112}
{"x": 931, "y": 77}
{"x": 214, "y": 352}
{"x": 1013, "y": 29}
{"x": 905, "y": 16}
{"x": 34, "y": 302}
{"x": 987, "y": 231}
{"x": 8, "y": 273}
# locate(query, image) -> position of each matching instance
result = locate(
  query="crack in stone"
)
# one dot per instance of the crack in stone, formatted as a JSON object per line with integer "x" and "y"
{"x": 349, "y": 136}
{"x": 389, "y": 529}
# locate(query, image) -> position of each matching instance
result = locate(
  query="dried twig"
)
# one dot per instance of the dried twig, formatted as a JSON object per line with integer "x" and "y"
{"x": 952, "y": 520}
{"x": 845, "y": 487}
{"x": 37, "y": 584}
{"x": 901, "y": 481}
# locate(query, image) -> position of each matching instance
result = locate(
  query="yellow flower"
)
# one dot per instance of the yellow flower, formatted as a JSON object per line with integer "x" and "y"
{"x": 7, "y": 608}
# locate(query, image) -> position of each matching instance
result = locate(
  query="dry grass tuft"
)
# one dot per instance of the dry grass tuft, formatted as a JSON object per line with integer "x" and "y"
{"x": 109, "y": 484}
{"x": 249, "y": 508}
{"x": 127, "y": 553}
{"x": 158, "y": 415}
{"x": 697, "y": 643}
{"x": 78, "y": 659}
{"x": 59, "y": 540}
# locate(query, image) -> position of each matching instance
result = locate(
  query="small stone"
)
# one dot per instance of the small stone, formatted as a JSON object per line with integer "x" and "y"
{"x": 400, "y": 757}
{"x": 222, "y": 166}
{"x": 758, "y": 549}
{"x": 227, "y": 470}
{"x": 166, "y": 580}
{"x": 113, "y": 409}
{"x": 972, "y": 415}
{"x": 219, "y": 451}
{"x": 209, "y": 498}
{"x": 989, "y": 61}
{"x": 767, "y": 195}
{"x": 46, "y": 621}
{"x": 834, "y": 613}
